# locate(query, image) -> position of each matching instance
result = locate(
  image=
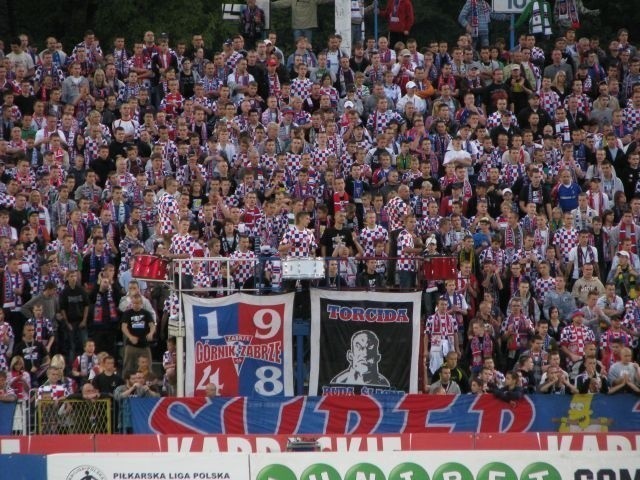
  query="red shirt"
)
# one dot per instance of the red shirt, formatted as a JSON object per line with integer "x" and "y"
{"x": 399, "y": 15}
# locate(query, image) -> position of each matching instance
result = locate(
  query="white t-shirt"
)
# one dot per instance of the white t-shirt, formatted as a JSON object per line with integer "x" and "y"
{"x": 456, "y": 155}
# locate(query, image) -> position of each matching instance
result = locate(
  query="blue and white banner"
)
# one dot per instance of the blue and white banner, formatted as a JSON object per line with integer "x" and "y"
{"x": 387, "y": 413}
{"x": 240, "y": 343}
{"x": 6, "y": 417}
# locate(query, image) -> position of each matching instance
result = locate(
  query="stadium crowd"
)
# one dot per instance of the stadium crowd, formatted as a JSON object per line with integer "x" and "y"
{"x": 522, "y": 164}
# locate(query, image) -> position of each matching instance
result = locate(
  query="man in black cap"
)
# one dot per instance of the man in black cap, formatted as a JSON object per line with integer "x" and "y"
{"x": 481, "y": 195}
{"x": 534, "y": 107}
{"x": 506, "y": 126}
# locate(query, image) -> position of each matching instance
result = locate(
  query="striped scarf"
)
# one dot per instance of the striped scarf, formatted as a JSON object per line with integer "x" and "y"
{"x": 12, "y": 282}
{"x": 632, "y": 234}
{"x": 78, "y": 233}
{"x": 274, "y": 85}
{"x": 474, "y": 18}
{"x": 591, "y": 196}
{"x": 481, "y": 348}
{"x": 520, "y": 329}
{"x": 455, "y": 301}
{"x": 96, "y": 263}
{"x": 540, "y": 241}
{"x": 566, "y": 12}
{"x": 512, "y": 241}
{"x": 105, "y": 300}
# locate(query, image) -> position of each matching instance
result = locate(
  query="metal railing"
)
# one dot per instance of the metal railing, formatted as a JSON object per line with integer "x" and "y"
{"x": 73, "y": 416}
{"x": 275, "y": 273}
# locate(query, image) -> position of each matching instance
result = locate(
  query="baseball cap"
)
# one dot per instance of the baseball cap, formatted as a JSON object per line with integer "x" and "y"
{"x": 405, "y": 53}
{"x": 622, "y": 253}
{"x": 411, "y": 85}
{"x": 507, "y": 190}
{"x": 272, "y": 63}
{"x": 515, "y": 67}
{"x": 286, "y": 110}
{"x": 267, "y": 42}
{"x": 348, "y": 104}
{"x": 577, "y": 313}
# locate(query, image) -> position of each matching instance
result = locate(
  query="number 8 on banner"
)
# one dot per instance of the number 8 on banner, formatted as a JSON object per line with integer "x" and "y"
{"x": 269, "y": 376}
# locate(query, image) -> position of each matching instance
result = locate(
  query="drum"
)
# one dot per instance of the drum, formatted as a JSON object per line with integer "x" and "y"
{"x": 303, "y": 268}
{"x": 440, "y": 268}
{"x": 150, "y": 268}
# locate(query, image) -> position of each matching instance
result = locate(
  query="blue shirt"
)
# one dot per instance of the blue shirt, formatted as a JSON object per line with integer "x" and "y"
{"x": 480, "y": 238}
{"x": 568, "y": 196}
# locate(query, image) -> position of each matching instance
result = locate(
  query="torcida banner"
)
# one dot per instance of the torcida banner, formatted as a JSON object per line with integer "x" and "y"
{"x": 364, "y": 343}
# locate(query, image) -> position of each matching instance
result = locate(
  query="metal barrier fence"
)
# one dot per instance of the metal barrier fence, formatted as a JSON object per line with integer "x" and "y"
{"x": 21, "y": 422}
{"x": 73, "y": 416}
{"x": 275, "y": 274}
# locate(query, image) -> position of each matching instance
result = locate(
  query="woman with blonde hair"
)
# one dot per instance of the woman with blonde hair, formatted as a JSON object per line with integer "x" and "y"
{"x": 98, "y": 368}
{"x": 58, "y": 361}
{"x": 559, "y": 85}
{"x": 99, "y": 86}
